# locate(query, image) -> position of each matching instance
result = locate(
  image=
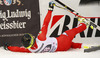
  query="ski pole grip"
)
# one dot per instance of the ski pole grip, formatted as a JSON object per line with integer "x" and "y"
{"x": 64, "y": 5}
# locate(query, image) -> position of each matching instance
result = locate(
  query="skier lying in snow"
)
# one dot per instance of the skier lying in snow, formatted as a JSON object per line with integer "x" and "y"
{"x": 49, "y": 44}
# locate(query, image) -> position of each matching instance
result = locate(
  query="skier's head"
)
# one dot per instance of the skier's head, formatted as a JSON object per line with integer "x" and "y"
{"x": 28, "y": 40}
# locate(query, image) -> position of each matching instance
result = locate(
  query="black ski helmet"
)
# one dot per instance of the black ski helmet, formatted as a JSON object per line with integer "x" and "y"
{"x": 28, "y": 40}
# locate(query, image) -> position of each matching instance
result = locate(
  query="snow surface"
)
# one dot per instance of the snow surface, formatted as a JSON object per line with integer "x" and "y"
{"x": 72, "y": 53}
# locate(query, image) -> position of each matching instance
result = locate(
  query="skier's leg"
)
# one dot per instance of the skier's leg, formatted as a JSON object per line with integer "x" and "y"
{"x": 71, "y": 33}
{"x": 76, "y": 45}
{"x": 65, "y": 39}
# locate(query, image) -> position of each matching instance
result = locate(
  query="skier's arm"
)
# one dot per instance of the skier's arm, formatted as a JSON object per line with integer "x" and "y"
{"x": 43, "y": 32}
{"x": 18, "y": 49}
{"x": 15, "y": 48}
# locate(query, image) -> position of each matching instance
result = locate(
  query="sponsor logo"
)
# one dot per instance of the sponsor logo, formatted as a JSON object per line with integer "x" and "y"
{"x": 61, "y": 23}
{"x": 6, "y": 16}
{"x": 7, "y": 2}
{"x": 10, "y": 2}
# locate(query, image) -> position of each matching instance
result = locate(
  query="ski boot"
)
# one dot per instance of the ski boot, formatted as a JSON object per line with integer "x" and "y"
{"x": 86, "y": 21}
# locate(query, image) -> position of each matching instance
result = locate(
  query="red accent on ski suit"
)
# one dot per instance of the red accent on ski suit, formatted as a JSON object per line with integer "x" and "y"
{"x": 64, "y": 41}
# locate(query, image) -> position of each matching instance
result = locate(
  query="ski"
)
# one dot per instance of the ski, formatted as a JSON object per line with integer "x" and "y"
{"x": 91, "y": 49}
{"x": 92, "y": 24}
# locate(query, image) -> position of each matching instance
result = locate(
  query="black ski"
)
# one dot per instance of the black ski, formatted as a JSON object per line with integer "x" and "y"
{"x": 93, "y": 48}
